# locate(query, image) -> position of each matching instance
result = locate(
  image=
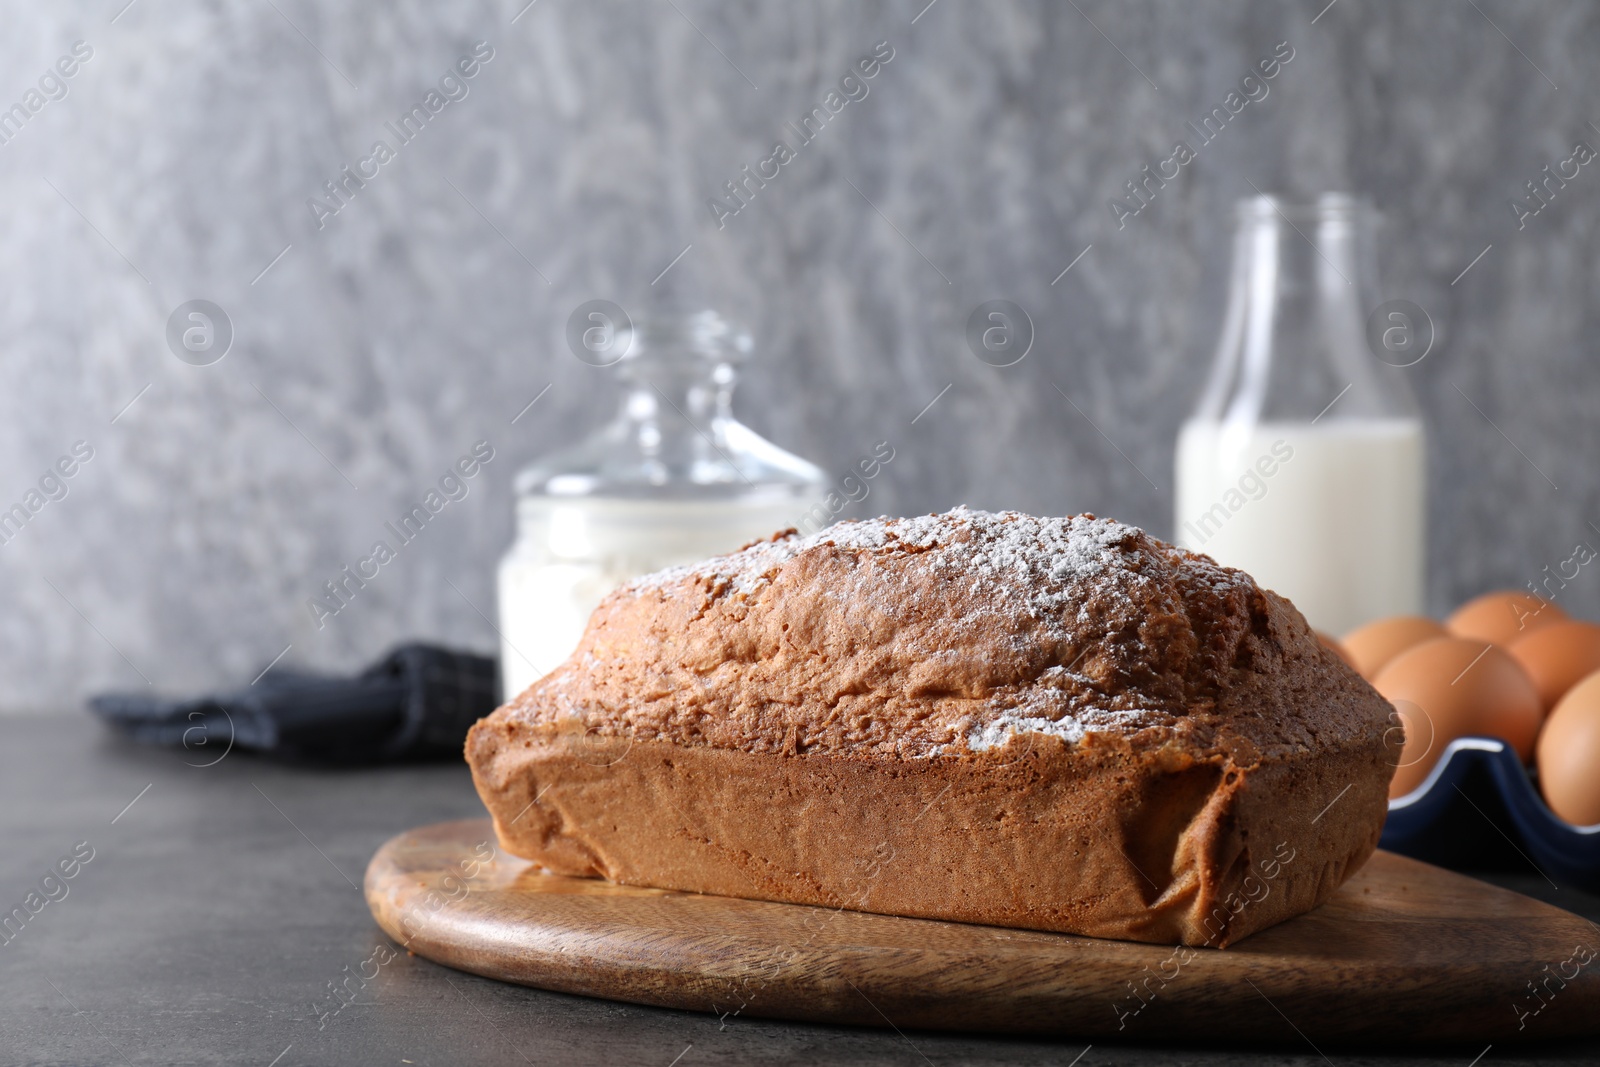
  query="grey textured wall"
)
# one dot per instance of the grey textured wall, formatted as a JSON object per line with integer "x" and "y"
{"x": 428, "y": 312}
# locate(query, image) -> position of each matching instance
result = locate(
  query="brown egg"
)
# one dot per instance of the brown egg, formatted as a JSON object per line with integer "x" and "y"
{"x": 1503, "y": 616}
{"x": 1451, "y": 687}
{"x": 1333, "y": 646}
{"x": 1557, "y": 656}
{"x": 1371, "y": 646}
{"x": 1569, "y": 755}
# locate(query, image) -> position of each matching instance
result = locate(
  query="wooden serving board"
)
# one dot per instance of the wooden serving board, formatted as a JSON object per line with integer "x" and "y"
{"x": 1404, "y": 952}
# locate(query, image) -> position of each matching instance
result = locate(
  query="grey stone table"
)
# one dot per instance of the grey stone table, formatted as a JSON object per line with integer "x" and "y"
{"x": 221, "y": 901}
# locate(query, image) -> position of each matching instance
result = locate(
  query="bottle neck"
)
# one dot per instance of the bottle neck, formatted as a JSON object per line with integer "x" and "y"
{"x": 676, "y": 411}
{"x": 1294, "y": 333}
{"x": 663, "y": 398}
{"x": 674, "y": 437}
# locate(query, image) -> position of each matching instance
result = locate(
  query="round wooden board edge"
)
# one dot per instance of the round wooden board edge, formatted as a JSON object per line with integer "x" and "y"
{"x": 841, "y": 1000}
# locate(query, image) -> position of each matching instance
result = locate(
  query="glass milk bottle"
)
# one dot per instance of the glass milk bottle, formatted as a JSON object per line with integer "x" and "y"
{"x": 672, "y": 479}
{"x": 1302, "y": 464}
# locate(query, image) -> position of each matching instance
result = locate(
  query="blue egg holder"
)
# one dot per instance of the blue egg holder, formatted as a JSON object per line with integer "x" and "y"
{"x": 1479, "y": 810}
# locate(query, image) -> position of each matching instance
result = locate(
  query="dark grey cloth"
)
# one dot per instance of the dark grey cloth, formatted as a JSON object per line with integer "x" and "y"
{"x": 415, "y": 703}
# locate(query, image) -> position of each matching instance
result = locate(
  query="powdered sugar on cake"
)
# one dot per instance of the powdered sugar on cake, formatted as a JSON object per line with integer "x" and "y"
{"x": 1020, "y": 564}
{"x": 988, "y": 545}
{"x": 1093, "y": 604}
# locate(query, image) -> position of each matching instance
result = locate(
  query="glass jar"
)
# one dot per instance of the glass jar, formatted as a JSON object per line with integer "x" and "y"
{"x": 1303, "y": 462}
{"x": 674, "y": 478}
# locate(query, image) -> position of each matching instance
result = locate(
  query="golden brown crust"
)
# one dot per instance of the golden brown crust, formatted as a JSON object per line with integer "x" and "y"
{"x": 1062, "y": 724}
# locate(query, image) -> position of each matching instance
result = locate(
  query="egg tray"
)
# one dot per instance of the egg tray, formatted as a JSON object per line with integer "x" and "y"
{"x": 1479, "y": 810}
